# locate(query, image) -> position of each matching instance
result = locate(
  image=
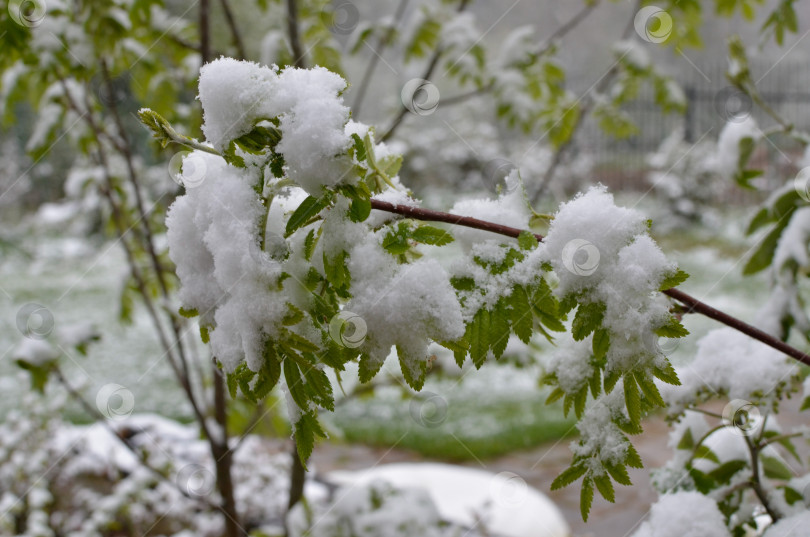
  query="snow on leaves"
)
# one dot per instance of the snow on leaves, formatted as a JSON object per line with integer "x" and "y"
{"x": 278, "y": 240}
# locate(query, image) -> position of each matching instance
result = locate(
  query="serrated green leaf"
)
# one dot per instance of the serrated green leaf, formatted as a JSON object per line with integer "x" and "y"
{"x": 673, "y": 280}
{"x": 587, "y": 319}
{"x": 368, "y": 368}
{"x": 359, "y": 148}
{"x": 619, "y": 474}
{"x": 310, "y": 242}
{"x": 294, "y": 383}
{"x": 673, "y": 329}
{"x": 611, "y": 379}
{"x": 204, "y": 335}
{"x": 459, "y": 348}
{"x": 595, "y": 382}
{"x": 395, "y": 241}
{"x": 337, "y": 274}
{"x": 414, "y": 380}
{"x": 568, "y": 476}
{"x": 462, "y": 283}
{"x": 586, "y": 498}
{"x": 605, "y": 487}
{"x": 293, "y": 315}
{"x": 633, "y": 459}
{"x": 431, "y": 235}
{"x": 649, "y": 389}
{"x": 309, "y": 208}
{"x": 521, "y": 313}
{"x": 527, "y": 240}
{"x": 600, "y": 344}
{"x": 478, "y": 334}
{"x": 319, "y": 387}
{"x": 555, "y": 395}
{"x": 306, "y": 429}
{"x": 579, "y": 401}
{"x": 666, "y": 373}
{"x": 632, "y": 399}
{"x": 499, "y": 322}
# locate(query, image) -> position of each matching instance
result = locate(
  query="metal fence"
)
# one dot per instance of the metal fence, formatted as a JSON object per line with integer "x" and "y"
{"x": 785, "y": 86}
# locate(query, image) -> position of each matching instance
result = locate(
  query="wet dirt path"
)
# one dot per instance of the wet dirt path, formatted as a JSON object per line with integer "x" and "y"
{"x": 538, "y": 467}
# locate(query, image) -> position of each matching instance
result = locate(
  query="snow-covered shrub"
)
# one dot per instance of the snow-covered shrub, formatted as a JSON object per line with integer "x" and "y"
{"x": 291, "y": 271}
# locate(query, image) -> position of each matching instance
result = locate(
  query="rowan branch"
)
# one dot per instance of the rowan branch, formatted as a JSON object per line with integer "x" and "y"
{"x": 693, "y": 305}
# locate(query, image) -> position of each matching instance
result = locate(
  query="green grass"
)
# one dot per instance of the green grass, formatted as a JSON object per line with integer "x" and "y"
{"x": 454, "y": 422}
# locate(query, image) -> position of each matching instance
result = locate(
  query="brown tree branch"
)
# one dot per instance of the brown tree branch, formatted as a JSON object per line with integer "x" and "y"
{"x": 294, "y": 36}
{"x": 236, "y": 35}
{"x": 693, "y": 304}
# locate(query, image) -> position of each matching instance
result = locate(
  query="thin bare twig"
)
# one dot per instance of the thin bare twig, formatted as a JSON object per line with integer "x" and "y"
{"x": 102, "y": 419}
{"x": 584, "y": 110}
{"x": 382, "y": 43}
{"x": 431, "y": 66}
{"x": 236, "y": 35}
{"x": 293, "y": 34}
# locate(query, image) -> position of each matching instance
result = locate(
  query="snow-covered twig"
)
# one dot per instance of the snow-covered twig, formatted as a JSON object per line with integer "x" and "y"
{"x": 692, "y": 304}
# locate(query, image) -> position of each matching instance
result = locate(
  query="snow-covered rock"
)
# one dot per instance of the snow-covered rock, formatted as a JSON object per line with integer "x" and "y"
{"x": 503, "y": 503}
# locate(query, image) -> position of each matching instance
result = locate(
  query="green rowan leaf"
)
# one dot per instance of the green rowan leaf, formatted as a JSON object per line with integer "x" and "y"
{"x": 586, "y": 498}
{"x": 632, "y": 399}
{"x": 308, "y": 209}
{"x": 306, "y": 429}
{"x": 568, "y": 476}
{"x": 605, "y": 487}
{"x": 619, "y": 474}
{"x": 633, "y": 459}
{"x": 666, "y": 373}
{"x": 521, "y": 314}
{"x": 673, "y": 280}
{"x": 478, "y": 334}
{"x": 527, "y": 240}
{"x": 499, "y": 322}
{"x": 673, "y": 329}
{"x": 588, "y": 318}
{"x": 359, "y": 209}
{"x": 431, "y": 235}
